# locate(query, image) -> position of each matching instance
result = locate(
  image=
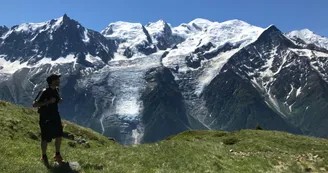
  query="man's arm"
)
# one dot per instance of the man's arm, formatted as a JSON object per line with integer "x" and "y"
{"x": 41, "y": 99}
{"x": 40, "y": 104}
{"x": 60, "y": 100}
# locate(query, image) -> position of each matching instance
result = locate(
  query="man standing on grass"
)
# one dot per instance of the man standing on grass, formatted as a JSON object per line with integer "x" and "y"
{"x": 50, "y": 122}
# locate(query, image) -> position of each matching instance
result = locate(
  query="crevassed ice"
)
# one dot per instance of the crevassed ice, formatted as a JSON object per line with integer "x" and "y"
{"x": 126, "y": 78}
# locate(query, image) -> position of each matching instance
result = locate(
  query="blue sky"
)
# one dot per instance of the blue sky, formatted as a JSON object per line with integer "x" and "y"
{"x": 287, "y": 15}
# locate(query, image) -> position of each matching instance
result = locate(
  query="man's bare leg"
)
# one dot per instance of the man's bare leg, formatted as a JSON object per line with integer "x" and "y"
{"x": 57, "y": 144}
{"x": 44, "y": 145}
{"x": 44, "y": 157}
{"x": 58, "y": 156}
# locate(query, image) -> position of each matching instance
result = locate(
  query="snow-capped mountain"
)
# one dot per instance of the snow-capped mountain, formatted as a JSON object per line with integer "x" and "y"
{"x": 162, "y": 35}
{"x": 143, "y": 83}
{"x": 132, "y": 38}
{"x": 32, "y": 43}
{"x": 306, "y": 36}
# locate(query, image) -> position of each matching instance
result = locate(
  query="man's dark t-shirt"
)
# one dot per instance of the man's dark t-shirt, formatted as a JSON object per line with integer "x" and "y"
{"x": 45, "y": 95}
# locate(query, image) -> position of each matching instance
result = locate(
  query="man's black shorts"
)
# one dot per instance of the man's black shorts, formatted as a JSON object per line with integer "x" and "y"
{"x": 51, "y": 127}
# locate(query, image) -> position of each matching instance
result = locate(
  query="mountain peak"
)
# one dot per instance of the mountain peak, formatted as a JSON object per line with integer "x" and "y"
{"x": 271, "y": 28}
{"x": 272, "y": 37}
{"x": 3, "y": 29}
{"x": 235, "y": 22}
{"x": 39, "y": 27}
{"x": 309, "y": 37}
{"x": 159, "y": 25}
{"x": 3, "y": 26}
{"x": 200, "y": 24}
{"x": 65, "y": 16}
{"x": 306, "y": 31}
{"x": 159, "y": 28}
{"x": 122, "y": 30}
{"x": 302, "y": 33}
{"x": 200, "y": 21}
{"x": 65, "y": 20}
{"x": 161, "y": 21}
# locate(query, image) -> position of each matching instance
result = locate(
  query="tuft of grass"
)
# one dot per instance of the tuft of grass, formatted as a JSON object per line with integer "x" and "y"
{"x": 230, "y": 140}
{"x": 258, "y": 127}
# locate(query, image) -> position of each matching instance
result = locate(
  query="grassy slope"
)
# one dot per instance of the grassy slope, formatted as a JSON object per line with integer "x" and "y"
{"x": 191, "y": 151}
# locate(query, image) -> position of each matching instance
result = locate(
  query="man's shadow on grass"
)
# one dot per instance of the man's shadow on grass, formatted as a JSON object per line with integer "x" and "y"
{"x": 61, "y": 168}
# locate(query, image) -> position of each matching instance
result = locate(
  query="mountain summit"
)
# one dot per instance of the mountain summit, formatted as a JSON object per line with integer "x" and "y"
{"x": 309, "y": 37}
{"x": 61, "y": 37}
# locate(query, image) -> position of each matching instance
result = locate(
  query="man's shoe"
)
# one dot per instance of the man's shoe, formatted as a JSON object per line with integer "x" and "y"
{"x": 45, "y": 160}
{"x": 58, "y": 158}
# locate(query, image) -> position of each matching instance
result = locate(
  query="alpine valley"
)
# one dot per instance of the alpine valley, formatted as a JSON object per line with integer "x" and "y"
{"x": 141, "y": 84}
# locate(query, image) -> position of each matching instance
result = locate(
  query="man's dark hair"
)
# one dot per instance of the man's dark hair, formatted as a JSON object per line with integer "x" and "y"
{"x": 52, "y": 77}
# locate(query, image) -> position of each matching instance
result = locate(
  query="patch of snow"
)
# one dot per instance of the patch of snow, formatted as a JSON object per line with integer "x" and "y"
{"x": 274, "y": 102}
{"x": 62, "y": 60}
{"x": 283, "y": 63}
{"x": 309, "y": 53}
{"x": 4, "y": 36}
{"x": 298, "y": 91}
{"x": 10, "y": 67}
{"x": 250, "y": 68}
{"x": 86, "y": 38}
{"x": 290, "y": 92}
{"x": 29, "y": 27}
{"x": 93, "y": 59}
{"x": 104, "y": 47}
{"x": 136, "y": 136}
{"x": 267, "y": 72}
{"x": 58, "y": 23}
{"x": 119, "y": 56}
{"x": 34, "y": 85}
{"x": 102, "y": 123}
{"x": 36, "y": 35}
{"x": 113, "y": 99}
{"x": 321, "y": 54}
{"x": 213, "y": 69}
{"x": 270, "y": 100}
{"x": 291, "y": 106}
{"x": 129, "y": 107}
{"x": 96, "y": 107}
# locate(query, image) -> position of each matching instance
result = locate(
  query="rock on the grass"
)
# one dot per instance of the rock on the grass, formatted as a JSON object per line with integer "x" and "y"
{"x": 75, "y": 166}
